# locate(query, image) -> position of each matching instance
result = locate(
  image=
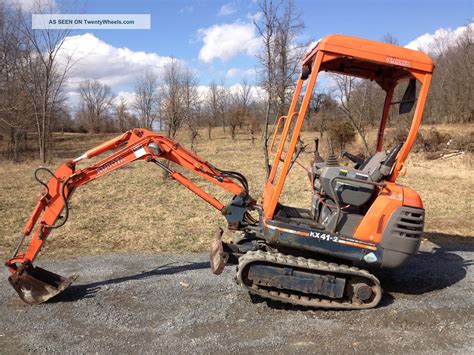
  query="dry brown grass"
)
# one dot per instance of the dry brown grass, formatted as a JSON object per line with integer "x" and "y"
{"x": 134, "y": 209}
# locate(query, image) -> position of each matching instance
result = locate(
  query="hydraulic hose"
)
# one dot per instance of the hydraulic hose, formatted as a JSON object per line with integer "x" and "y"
{"x": 63, "y": 196}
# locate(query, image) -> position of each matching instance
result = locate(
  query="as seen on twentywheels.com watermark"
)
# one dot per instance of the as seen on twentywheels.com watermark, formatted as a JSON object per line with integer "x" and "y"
{"x": 91, "y": 21}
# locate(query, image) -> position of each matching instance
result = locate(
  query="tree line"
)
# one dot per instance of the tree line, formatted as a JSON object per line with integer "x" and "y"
{"x": 33, "y": 98}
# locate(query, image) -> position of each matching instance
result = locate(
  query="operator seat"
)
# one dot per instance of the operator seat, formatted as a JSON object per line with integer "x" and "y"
{"x": 380, "y": 164}
{"x": 349, "y": 186}
{"x": 372, "y": 166}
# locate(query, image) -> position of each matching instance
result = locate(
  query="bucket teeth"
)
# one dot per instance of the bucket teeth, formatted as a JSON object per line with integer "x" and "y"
{"x": 36, "y": 285}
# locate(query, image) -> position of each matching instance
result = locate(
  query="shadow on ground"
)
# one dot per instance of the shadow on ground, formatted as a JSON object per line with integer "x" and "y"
{"x": 76, "y": 292}
{"x": 430, "y": 270}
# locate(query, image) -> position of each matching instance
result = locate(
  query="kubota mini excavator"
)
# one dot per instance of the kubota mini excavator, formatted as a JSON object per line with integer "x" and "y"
{"x": 359, "y": 214}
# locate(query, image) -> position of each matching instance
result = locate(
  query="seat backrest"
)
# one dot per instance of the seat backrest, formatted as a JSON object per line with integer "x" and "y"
{"x": 372, "y": 166}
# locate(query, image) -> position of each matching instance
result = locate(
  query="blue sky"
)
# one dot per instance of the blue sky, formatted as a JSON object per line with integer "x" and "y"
{"x": 175, "y": 23}
{"x": 180, "y": 29}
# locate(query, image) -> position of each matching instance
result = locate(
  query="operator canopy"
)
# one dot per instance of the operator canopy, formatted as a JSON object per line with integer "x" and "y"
{"x": 382, "y": 62}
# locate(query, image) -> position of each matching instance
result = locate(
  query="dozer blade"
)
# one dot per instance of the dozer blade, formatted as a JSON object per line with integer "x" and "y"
{"x": 36, "y": 285}
{"x": 217, "y": 255}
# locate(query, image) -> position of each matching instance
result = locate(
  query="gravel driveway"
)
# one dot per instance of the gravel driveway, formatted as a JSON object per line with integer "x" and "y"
{"x": 171, "y": 303}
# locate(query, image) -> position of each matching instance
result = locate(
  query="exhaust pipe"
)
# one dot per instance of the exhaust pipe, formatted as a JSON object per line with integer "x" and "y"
{"x": 35, "y": 285}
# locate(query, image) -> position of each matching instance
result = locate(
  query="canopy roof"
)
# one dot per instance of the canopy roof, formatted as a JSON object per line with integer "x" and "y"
{"x": 369, "y": 59}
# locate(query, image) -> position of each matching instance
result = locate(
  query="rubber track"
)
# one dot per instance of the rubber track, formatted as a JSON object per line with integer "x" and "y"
{"x": 308, "y": 264}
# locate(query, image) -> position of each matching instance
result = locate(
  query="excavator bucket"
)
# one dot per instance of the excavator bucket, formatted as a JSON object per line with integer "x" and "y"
{"x": 36, "y": 285}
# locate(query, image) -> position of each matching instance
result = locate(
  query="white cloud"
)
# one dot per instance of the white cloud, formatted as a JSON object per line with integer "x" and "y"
{"x": 311, "y": 45}
{"x": 255, "y": 17}
{"x": 203, "y": 91}
{"x": 238, "y": 73}
{"x": 227, "y": 40}
{"x": 128, "y": 96}
{"x": 256, "y": 92}
{"x": 233, "y": 72}
{"x": 74, "y": 99}
{"x": 227, "y": 9}
{"x": 439, "y": 41}
{"x": 95, "y": 59}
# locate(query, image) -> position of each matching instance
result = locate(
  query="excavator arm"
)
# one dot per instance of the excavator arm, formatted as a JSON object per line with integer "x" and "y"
{"x": 36, "y": 285}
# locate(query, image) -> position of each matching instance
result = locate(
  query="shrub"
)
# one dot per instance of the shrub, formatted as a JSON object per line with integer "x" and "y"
{"x": 399, "y": 135}
{"x": 341, "y": 133}
{"x": 465, "y": 143}
{"x": 433, "y": 140}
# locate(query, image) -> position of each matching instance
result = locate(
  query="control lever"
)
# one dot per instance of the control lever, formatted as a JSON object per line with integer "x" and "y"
{"x": 387, "y": 165}
{"x": 354, "y": 158}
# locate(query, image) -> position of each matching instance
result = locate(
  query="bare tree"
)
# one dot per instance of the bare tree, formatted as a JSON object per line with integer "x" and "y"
{"x": 254, "y": 120}
{"x": 278, "y": 27}
{"x": 360, "y": 102}
{"x": 240, "y": 106}
{"x": 216, "y": 103}
{"x": 15, "y": 109}
{"x": 223, "y": 103}
{"x": 266, "y": 28}
{"x": 43, "y": 72}
{"x": 172, "y": 98}
{"x": 125, "y": 120}
{"x": 325, "y": 110}
{"x": 288, "y": 55}
{"x": 212, "y": 103}
{"x": 390, "y": 38}
{"x": 96, "y": 101}
{"x": 146, "y": 98}
{"x": 451, "y": 91}
{"x": 121, "y": 113}
{"x": 191, "y": 104}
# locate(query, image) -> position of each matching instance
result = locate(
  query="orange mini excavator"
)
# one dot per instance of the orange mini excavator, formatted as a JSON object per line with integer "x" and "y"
{"x": 359, "y": 215}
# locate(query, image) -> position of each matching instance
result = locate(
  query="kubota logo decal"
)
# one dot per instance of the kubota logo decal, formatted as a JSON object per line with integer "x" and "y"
{"x": 398, "y": 61}
{"x": 107, "y": 166}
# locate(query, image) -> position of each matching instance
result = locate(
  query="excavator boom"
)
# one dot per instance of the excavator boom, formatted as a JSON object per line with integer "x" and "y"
{"x": 36, "y": 285}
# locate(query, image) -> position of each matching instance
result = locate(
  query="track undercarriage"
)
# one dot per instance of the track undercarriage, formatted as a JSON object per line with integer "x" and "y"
{"x": 307, "y": 282}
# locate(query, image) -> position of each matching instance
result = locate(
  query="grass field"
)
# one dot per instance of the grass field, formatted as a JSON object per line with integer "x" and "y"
{"x": 135, "y": 209}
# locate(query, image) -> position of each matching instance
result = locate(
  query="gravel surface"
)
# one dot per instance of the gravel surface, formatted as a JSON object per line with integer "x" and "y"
{"x": 171, "y": 303}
